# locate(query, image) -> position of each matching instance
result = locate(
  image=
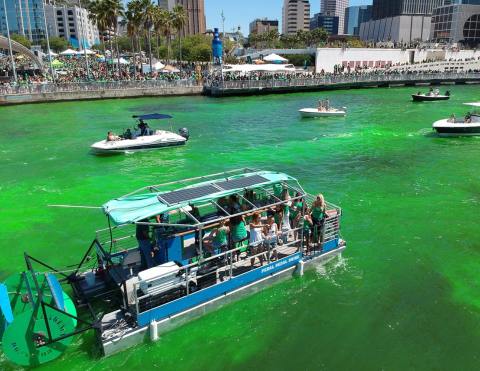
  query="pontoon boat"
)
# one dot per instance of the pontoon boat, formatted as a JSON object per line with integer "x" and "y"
{"x": 469, "y": 125}
{"x": 157, "y": 265}
{"x": 142, "y": 137}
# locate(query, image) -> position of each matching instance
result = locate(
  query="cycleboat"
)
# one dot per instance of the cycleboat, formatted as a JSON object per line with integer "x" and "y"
{"x": 315, "y": 112}
{"x": 141, "y": 137}
{"x": 168, "y": 255}
{"x": 468, "y": 125}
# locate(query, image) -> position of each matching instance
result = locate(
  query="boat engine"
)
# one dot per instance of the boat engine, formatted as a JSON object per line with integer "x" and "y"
{"x": 184, "y": 133}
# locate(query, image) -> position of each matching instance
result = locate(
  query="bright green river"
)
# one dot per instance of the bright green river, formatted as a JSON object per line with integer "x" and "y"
{"x": 404, "y": 296}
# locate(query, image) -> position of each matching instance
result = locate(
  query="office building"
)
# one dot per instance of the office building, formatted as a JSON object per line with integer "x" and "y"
{"x": 457, "y": 22}
{"x": 400, "y": 20}
{"x": 393, "y": 8}
{"x": 329, "y": 23}
{"x": 24, "y": 18}
{"x": 72, "y": 23}
{"x": 296, "y": 16}
{"x": 354, "y": 16}
{"x": 195, "y": 10}
{"x": 335, "y": 8}
{"x": 259, "y": 26}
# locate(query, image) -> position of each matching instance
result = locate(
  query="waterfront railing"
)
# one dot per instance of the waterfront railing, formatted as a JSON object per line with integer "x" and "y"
{"x": 341, "y": 80}
{"x": 97, "y": 86}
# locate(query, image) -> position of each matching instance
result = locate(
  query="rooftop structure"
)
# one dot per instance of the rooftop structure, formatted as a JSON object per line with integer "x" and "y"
{"x": 259, "y": 26}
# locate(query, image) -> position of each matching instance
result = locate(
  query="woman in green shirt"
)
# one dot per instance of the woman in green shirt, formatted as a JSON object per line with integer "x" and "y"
{"x": 318, "y": 216}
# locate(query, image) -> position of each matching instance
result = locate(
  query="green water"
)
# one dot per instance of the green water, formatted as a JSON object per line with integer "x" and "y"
{"x": 404, "y": 296}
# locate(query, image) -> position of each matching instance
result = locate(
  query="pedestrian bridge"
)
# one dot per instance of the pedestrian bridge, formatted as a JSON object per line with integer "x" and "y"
{"x": 218, "y": 88}
{"x": 19, "y": 48}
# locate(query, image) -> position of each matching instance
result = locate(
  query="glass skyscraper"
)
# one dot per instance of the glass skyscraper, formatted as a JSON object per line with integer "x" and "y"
{"x": 25, "y": 17}
{"x": 393, "y": 8}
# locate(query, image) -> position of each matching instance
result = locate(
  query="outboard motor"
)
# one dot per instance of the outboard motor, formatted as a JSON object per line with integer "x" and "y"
{"x": 184, "y": 133}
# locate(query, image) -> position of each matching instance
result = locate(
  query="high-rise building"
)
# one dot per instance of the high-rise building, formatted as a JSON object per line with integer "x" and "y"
{"x": 24, "y": 18}
{"x": 400, "y": 20}
{"x": 328, "y": 22}
{"x": 458, "y": 21}
{"x": 335, "y": 8}
{"x": 71, "y": 23}
{"x": 354, "y": 16}
{"x": 296, "y": 16}
{"x": 195, "y": 9}
{"x": 393, "y": 8}
{"x": 260, "y": 26}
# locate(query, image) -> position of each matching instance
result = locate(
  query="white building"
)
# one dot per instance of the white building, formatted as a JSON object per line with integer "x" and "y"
{"x": 296, "y": 16}
{"x": 335, "y": 8}
{"x": 328, "y": 58}
{"x": 73, "y": 24}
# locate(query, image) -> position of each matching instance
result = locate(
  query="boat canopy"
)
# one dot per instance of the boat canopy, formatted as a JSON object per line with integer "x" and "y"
{"x": 152, "y": 116}
{"x": 138, "y": 207}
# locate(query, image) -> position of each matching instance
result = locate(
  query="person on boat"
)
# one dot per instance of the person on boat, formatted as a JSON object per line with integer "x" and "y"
{"x": 318, "y": 216}
{"x": 468, "y": 118}
{"x": 327, "y": 104}
{"x": 320, "y": 106}
{"x": 305, "y": 223}
{"x": 285, "y": 222}
{"x": 143, "y": 126}
{"x": 111, "y": 137}
{"x": 239, "y": 232}
{"x": 142, "y": 234}
{"x": 430, "y": 92}
{"x": 256, "y": 238}
{"x": 452, "y": 118}
{"x": 218, "y": 239}
{"x": 234, "y": 206}
{"x": 272, "y": 234}
{"x": 447, "y": 93}
{"x": 127, "y": 134}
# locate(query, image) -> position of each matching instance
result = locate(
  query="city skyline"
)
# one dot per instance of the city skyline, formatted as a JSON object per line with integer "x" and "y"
{"x": 271, "y": 9}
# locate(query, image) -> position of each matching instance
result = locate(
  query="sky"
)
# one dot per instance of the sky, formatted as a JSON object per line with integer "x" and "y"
{"x": 242, "y": 12}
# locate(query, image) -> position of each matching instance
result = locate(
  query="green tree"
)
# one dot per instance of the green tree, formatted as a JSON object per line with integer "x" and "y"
{"x": 57, "y": 44}
{"x": 180, "y": 18}
{"x": 21, "y": 40}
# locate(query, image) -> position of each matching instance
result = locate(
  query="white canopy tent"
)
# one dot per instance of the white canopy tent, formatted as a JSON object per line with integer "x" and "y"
{"x": 86, "y": 51}
{"x": 69, "y": 52}
{"x": 53, "y": 54}
{"x": 158, "y": 66}
{"x": 274, "y": 58}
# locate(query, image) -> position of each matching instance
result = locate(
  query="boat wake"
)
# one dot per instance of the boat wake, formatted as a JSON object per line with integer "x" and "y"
{"x": 330, "y": 270}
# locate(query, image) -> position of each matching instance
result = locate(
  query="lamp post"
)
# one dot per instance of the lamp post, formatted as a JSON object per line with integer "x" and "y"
{"x": 48, "y": 40}
{"x": 10, "y": 43}
{"x": 83, "y": 43}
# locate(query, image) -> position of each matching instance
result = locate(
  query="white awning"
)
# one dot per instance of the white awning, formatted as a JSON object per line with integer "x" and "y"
{"x": 68, "y": 52}
{"x": 274, "y": 58}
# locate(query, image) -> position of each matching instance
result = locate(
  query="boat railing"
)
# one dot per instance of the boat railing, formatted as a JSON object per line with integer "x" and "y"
{"x": 226, "y": 270}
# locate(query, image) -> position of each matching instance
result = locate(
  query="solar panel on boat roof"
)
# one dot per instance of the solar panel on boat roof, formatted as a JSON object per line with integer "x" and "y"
{"x": 241, "y": 182}
{"x": 183, "y": 195}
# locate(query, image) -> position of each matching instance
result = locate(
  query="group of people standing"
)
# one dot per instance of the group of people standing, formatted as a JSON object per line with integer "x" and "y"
{"x": 258, "y": 234}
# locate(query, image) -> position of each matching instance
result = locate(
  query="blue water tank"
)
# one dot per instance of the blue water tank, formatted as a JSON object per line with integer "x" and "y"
{"x": 217, "y": 47}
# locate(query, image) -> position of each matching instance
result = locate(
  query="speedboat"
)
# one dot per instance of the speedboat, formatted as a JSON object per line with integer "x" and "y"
{"x": 467, "y": 126}
{"x": 315, "y": 112}
{"x": 142, "y": 137}
{"x": 433, "y": 95}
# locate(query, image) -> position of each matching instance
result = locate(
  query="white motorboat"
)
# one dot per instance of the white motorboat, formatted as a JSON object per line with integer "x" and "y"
{"x": 141, "y": 138}
{"x": 315, "y": 112}
{"x": 431, "y": 96}
{"x": 465, "y": 126}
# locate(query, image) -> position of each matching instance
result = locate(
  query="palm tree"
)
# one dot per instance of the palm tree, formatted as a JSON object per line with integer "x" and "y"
{"x": 147, "y": 19}
{"x": 114, "y": 12}
{"x": 98, "y": 15}
{"x": 133, "y": 22}
{"x": 180, "y": 19}
{"x": 164, "y": 23}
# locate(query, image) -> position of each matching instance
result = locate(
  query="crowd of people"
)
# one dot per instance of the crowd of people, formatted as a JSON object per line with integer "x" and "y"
{"x": 247, "y": 234}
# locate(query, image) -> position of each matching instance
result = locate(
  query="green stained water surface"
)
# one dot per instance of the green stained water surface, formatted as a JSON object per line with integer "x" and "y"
{"x": 404, "y": 296}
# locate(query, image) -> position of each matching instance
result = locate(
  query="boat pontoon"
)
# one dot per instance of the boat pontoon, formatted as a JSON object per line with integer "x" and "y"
{"x": 142, "y": 137}
{"x": 469, "y": 125}
{"x": 155, "y": 266}
{"x": 431, "y": 96}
